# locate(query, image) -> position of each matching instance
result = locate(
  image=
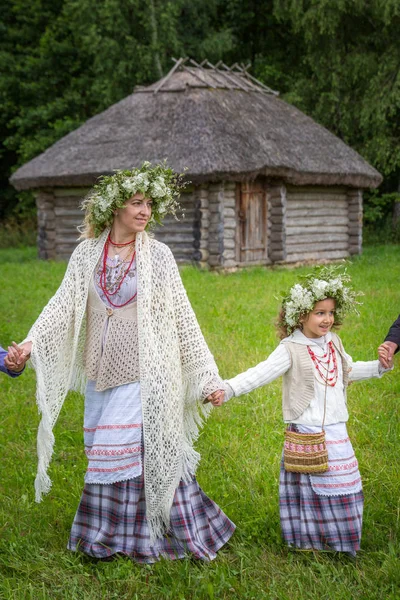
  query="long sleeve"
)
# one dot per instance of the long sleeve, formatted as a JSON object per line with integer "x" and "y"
{"x": 361, "y": 370}
{"x": 276, "y": 365}
{"x": 394, "y": 333}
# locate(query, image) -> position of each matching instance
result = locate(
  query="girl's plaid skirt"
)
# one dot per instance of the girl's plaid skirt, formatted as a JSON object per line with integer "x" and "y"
{"x": 320, "y": 522}
{"x": 111, "y": 518}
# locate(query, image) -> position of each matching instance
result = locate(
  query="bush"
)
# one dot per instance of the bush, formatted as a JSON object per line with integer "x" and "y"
{"x": 380, "y": 226}
{"x": 15, "y": 232}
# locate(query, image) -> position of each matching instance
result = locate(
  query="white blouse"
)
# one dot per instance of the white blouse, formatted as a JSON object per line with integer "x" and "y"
{"x": 279, "y": 362}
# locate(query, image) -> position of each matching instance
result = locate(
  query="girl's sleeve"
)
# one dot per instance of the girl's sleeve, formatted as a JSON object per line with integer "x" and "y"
{"x": 276, "y": 365}
{"x": 360, "y": 370}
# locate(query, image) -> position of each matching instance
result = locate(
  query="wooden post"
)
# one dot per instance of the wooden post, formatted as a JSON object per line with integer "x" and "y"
{"x": 355, "y": 209}
{"x": 68, "y": 216}
{"x": 46, "y": 238}
{"x": 229, "y": 226}
{"x": 182, "y": 235}
{"x": 201, "y": 226}
{"x": 216, "y": 224}
{"x": 276, "y": 198}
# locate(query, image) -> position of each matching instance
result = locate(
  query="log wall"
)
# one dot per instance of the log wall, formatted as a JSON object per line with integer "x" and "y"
{"x": 201, "y": 226}
{"x": 46, "y": 238}
{"x": 68, "y": 217}
{"x": 355, "y": 205}
{"x": 228, "y": 258}
{"x": 304, "y": 223}
{"x": 317, "y": 224}
{"x": 59, "y": 216}
{"x": 277, "y": 201}
{"x": 216, "y": 223}
{"x": 182, "y": 236}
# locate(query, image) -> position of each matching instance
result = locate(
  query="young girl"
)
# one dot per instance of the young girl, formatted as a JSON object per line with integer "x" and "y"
{"x": 323, "y": 510}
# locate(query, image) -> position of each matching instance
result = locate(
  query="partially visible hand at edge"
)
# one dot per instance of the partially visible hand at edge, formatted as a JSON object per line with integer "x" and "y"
{"x": 385, "y": 354}
{"x": 17, "y": 356}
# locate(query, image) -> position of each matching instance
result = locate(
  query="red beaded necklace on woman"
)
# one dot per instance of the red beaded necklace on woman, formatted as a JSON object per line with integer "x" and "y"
{"x": 330, "y": 376}
{"x": 103, "y": 285}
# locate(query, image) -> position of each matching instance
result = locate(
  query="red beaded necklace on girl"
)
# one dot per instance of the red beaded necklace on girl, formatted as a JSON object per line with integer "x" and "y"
{"x": 330, "y": 376}
{"x": 106, "y": 291}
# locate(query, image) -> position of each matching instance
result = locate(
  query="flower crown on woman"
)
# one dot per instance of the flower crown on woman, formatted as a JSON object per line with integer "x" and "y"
{"x": 322, "y": 283}
{"x": 158, "y": 183}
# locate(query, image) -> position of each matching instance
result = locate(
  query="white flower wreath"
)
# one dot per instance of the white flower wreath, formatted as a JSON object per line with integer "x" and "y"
{"x": 322, "y": 283}
{"x": 159, "y": 183}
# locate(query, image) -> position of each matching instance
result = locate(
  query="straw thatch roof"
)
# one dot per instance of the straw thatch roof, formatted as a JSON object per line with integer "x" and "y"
{"x": 219, "y": 123}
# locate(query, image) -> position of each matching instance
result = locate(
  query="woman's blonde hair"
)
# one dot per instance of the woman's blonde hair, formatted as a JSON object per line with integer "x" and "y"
{"x": 86, "y": 229}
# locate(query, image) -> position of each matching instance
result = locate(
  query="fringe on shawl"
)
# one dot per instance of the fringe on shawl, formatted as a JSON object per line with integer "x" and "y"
{"x": 156, "y": 265}
{"x": 45, "y": 436}
{"x": 89, "y": 253}
{"x": 195, "y": 415}
{"x": 79, "y": 380}
{"x": 45, "y": 441}
{"x": 160, "y": 524}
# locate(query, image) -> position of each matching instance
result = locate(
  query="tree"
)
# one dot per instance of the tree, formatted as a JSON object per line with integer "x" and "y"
{"x": 66, "y": 60}
{"x": 349, "y": 78}
{"x": 62, "y": 61}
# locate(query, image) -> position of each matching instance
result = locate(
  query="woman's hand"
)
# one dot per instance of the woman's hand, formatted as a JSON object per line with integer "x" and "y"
{"x": 385, "y": 353}
{"x": 17, "y": 356}
{"x": 217, "y": 398}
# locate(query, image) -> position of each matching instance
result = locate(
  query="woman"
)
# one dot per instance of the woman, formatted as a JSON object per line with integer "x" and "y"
{"x": 121, "y": 321}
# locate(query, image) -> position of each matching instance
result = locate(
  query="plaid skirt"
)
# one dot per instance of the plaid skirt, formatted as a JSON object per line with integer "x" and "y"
{"x": 111, "y": 519}
{"x": 312, "y": 521}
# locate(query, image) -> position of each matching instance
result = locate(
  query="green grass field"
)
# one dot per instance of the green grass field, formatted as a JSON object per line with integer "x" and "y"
{"x": 240, "y": 446}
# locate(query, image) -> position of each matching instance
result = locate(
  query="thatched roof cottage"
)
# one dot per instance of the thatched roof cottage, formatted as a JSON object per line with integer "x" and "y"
{"x": 268, "y": 183}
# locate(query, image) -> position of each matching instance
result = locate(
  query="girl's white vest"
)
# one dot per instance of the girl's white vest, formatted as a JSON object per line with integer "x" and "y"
{"x": 299, "y": 380}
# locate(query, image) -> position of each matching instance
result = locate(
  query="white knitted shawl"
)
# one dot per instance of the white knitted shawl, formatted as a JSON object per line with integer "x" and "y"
{"x": 175, "y": 368}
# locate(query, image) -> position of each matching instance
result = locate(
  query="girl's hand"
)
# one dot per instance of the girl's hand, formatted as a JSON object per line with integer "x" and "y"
{"x": 216, "y": 398}
{"x": 385, "y": 353}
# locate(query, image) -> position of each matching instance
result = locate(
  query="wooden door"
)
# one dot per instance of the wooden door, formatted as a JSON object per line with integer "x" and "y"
{"x": 251, "y": 208}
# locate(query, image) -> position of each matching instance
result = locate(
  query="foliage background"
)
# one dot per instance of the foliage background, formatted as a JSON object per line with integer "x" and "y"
{"x": 62, "y": 61}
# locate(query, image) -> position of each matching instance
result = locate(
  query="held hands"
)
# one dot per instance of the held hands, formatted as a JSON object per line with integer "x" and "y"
{"x": 17, "y": 356}
{"x": 216, "y": 398}
{"x": 385, "y": 353}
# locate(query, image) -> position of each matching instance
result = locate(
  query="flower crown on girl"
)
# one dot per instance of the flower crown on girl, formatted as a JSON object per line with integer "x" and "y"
{"x": 321, "y": 283}
{"x": 159, "y": 183}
